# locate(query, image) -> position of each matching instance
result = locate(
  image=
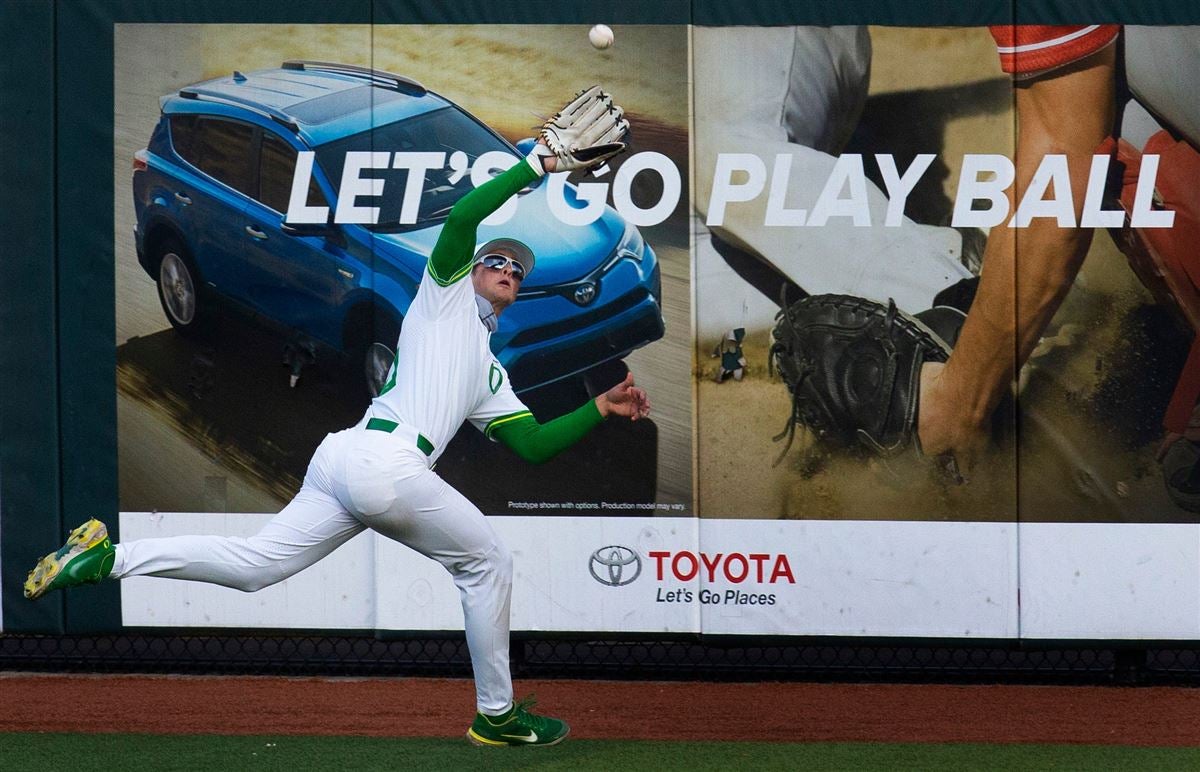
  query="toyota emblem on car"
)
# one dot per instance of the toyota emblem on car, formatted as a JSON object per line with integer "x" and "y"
{"x": 615, "y": 566}
{"x": 585, "y": 293}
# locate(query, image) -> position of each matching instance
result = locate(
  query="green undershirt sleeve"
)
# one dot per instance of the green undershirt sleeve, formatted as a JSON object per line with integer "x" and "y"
{"x": 538, "y": 443}
{"x": 455, "y": 249}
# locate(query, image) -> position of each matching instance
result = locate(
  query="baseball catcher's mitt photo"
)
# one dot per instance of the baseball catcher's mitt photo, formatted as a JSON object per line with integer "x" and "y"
{"x": 852, "y": 367}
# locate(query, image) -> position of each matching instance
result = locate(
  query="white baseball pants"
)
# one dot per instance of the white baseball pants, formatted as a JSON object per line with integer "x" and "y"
{"x": 358, "y": 479}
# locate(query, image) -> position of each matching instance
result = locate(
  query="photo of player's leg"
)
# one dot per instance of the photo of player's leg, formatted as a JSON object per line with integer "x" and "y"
{"x": 791, "y": 100}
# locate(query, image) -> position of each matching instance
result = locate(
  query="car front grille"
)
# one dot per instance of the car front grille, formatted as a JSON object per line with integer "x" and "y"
{"x": 543, "y": 366}
{"x": 550, "y": 331}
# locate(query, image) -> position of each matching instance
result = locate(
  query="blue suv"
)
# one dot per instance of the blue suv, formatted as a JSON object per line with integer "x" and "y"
{"x": 213, "y": 186}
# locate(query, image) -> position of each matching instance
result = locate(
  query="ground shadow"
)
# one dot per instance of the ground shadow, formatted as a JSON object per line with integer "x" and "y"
{"x": 228, "y": 393}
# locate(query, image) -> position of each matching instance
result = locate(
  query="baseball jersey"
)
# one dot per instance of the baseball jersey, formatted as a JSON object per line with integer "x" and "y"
{"x": 1027, "y": 50}
{"x": 445, "y": 372}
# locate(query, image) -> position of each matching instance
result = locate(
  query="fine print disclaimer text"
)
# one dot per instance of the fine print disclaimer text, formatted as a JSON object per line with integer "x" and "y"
{"x": 598, "y": 506}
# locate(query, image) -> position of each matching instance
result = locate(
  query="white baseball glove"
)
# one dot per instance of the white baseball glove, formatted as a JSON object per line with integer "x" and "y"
{"x": 585, "y": 133}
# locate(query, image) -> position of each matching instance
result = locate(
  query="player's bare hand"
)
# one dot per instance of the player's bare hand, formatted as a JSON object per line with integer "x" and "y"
{"x": 943, "y": 426}
{"x": 624, "y": 399}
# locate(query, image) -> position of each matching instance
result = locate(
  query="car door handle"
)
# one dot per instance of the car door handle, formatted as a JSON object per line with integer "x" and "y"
{"x": 255, "y": 232}
{"x": 183, "y": 199}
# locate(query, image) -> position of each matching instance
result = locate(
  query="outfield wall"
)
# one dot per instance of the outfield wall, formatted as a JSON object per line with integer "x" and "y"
{"x": 1067, "y": 533}
{"x": 652, "y": 575}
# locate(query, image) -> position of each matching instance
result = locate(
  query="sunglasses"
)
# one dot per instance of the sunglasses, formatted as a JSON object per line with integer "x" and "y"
{"x": 498, "y": 262}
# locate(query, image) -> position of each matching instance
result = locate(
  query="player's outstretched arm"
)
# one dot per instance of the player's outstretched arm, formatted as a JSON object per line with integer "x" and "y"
{"x": 585, "y": 133}
{"x": 455, "y": 248}
{"x": 538, "y": 443}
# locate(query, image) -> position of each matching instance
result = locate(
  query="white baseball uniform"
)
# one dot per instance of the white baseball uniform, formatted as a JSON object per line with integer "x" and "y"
{"x": 378, "y": 474}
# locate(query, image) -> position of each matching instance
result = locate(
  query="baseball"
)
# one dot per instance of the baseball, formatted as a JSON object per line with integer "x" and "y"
{"x": 601, "y": 36}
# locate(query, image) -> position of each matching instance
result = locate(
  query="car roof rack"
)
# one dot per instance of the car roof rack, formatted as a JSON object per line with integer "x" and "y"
{"x": 280, "y": 117}
{"x": 378, "y": 77}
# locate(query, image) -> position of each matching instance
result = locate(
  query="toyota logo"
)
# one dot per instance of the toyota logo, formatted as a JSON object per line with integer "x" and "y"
{"x": 615, "y": 566}
{"x": 585, "y": 293}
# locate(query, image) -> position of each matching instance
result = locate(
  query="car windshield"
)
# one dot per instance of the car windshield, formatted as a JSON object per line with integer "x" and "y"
{"x": 447, "y": 130}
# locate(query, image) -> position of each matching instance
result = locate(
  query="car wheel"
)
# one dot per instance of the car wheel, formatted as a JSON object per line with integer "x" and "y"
{"x": 179, "y": 288}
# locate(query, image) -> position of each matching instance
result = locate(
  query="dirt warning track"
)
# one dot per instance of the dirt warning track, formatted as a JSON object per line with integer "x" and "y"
{"x": 396, "y": 707}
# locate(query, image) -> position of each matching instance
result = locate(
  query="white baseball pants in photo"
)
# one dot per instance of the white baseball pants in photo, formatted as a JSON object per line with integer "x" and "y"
{"x": 798, "y": 92}
{"x": 357, "y": 479}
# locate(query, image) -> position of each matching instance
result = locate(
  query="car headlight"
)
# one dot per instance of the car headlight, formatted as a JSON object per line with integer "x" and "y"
{"x": 632, "y": 244}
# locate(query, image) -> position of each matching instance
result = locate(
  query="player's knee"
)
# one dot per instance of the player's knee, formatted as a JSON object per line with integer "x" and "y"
{"x": 261, "y": 565}
{"x": 494, "y": 562}
{"x": 502, "y": 562}
{"x": 257, "y": 579}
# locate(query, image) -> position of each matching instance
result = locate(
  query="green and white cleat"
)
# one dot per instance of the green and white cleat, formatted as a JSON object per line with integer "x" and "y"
{"x": 86, "y": 558}
{"x": 517, "y": 727}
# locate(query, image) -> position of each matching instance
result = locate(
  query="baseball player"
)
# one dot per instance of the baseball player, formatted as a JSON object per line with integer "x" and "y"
{"x": 733, "y": 359}
{"x": 379, "y": 473}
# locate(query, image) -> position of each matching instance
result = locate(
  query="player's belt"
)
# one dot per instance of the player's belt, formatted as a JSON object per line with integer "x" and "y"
{"x": 384, "y": 425}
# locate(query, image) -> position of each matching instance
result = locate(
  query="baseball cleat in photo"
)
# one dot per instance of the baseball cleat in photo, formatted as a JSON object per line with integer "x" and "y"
{"x": 86, "y": 558}
{"x": 517, "y": 727}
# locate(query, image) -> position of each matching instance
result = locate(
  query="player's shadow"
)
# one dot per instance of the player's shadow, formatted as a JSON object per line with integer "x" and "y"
{"x": 227, "y": 393}
{"x": 908, "y": 123}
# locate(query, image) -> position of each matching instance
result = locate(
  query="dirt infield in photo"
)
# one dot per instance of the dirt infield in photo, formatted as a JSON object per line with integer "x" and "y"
{"x": 423, "y": 707}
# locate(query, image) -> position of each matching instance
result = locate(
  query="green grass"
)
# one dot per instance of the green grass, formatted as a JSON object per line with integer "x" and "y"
{"x": 117, "y": 753}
